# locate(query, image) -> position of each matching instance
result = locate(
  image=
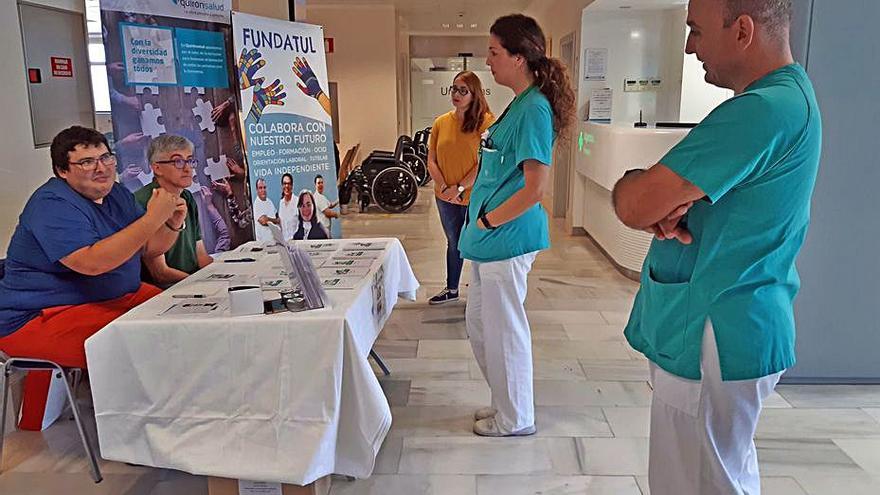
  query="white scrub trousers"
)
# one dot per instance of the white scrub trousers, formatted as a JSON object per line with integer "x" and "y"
{"x": 702, "y": 432}
{"x": 501, "y": 339}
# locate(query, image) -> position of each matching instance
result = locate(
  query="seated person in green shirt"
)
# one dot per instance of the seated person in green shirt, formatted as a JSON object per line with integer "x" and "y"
{"x": 730, "y": 206}
{"x": 171, "y": 158}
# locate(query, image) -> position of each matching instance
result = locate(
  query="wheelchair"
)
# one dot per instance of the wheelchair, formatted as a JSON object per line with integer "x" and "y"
{"x": 387, "y": 178}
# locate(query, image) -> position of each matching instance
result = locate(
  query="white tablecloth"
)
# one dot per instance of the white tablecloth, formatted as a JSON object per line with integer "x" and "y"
{"x": 288, "y": 397}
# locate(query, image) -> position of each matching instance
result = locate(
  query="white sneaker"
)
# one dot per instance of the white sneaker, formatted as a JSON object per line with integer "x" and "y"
{"x": 485, "y": 412}
{"x": 489, "y": 428}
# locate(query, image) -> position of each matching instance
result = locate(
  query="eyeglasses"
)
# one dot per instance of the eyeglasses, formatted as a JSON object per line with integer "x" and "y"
{"x": 287, "y": 184}
{"x": 462, "y": 91}
{"x": 91, "y": 163}
{"x": 179, "y": 163}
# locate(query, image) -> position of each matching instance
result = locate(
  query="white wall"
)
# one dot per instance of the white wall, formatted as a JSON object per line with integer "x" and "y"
{"x": 23, "y": 168}
{"x": 640, "y": 44}
{"x": 365, "y": 68}
{"x": 698, "y": 97}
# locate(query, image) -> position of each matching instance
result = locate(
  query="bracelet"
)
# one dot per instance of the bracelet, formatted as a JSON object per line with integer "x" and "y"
{"x": 182, "y": 226}
{"x": 486, "y": 223}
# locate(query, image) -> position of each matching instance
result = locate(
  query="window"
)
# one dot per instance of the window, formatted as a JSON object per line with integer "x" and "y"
{"x": 97, "y": 59}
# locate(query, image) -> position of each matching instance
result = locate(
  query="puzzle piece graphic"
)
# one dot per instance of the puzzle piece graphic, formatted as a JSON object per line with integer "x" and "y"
{"x": 154, "y": 90}
{"x": 150, "y": 121}
{"x": 217, "y": 169}
{"x": 203, "y": 110}
{"x": 145, "y": 178}
{"x": 189, "y": 89}
{"x": 195, "y": 187}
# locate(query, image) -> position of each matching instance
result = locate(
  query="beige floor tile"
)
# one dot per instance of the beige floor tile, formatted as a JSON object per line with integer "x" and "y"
{"x": 864, "y": 451}
{"x": 861, "y": 484}
{"x": 596, "y": 332}
{"x": 579, "y": 349}
{"x": 449, "y": 393}
{"x": 829, "y": 396}
{"x": 388, "y": 459}
{"x": 17, "y": 483}
{"x": 545, "y": 369}
{"x": 429, "y": 369}
{"x": 568, "y": 421}
{"x": 618, "y": 317}
{"x": 563, "y": 317}
{"x": 615, "y": 370}
{"x": 781, "y": 486}
{"x": 590, "y": 393}
{"x": 629, "y": 421}
{"x": 429, "y": 421}
{"x": 614, "y": 456}
{"x": 873, "y": 412}
{"x": 475, "y": 455}
{"x": 445, "y": 349}
{"x": 406, "y": 485}
{"x": 799, "y": 457}
{"x": 557, "y": 485}
{"x": 816, "y": 423}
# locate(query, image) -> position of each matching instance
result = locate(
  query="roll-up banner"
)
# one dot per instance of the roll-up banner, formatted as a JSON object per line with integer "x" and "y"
{"x": 285, "y": 107}
{"x": 169, "y": 72}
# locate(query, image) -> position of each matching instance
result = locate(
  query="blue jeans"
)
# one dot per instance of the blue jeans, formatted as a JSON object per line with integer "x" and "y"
{"x": 452, "y": 217}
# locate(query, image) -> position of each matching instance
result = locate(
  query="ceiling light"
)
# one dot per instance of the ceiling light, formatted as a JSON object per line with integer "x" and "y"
{"x": 635, "y": 35}
{"x": 473, "y": 26}
{"x": 445, "y": 25}
{"x": 459, "y": 25}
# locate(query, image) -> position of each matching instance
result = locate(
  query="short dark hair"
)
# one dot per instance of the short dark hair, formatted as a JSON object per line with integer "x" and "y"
{"x": 67, "y": 141}
{"x": 774, "y": 15}
{"x": 319, "y": 176}
{"x": 287, "y": 175}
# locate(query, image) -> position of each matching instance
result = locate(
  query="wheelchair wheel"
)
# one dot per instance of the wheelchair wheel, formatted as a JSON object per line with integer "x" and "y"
{"x": 418, "y": 167}
{"x": 395, "y": 189}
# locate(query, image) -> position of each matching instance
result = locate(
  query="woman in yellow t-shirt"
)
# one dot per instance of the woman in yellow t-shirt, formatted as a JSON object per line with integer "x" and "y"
{"x": 452, "y": 163}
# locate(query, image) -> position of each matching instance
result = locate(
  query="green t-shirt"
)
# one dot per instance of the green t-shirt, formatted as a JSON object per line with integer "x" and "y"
{"x": 756, "y": 157}
{"x": 524, "y": 132}
{"x": 182, "y": 254}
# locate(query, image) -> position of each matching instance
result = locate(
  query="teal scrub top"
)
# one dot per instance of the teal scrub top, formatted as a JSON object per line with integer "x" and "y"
{"x": 756, "y": 157}
{"x": 523, "y": 132}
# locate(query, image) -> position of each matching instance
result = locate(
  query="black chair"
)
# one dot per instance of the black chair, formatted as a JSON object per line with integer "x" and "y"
{"x": 9, "y": 365}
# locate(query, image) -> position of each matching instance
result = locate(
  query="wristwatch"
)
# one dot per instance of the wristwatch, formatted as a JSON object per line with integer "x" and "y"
{"x": 182, "y": 226}
{"x": 461, "y": 189}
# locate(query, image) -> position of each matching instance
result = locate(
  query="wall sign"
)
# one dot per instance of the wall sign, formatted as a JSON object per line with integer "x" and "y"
{"x": 62, "y": 66}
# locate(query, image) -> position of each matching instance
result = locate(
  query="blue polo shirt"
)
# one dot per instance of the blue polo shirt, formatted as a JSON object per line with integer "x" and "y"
{"x": 756, "y": 157}
{"x": 57, "y": 221}
{"x": 523, "y": 132}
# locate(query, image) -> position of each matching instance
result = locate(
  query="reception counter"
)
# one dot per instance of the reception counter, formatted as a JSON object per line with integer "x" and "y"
{"x": 605, "y": 152}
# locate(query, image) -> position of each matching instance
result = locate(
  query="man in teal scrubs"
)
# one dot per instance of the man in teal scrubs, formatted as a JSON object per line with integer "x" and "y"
{"x": 730, "y": 207}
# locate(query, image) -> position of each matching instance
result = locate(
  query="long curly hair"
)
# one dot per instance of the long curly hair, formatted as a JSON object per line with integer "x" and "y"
{"x": 521, "y": 35}
{"x": 479, "y": 107}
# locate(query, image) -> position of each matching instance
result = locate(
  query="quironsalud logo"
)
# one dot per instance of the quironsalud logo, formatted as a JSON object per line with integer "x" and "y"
{"x": 202, "y": 5}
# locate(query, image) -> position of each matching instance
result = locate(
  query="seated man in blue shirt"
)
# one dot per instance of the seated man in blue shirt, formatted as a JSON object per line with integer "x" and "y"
{"x": 74, "y": 262}
{"x": 730, "y": 206}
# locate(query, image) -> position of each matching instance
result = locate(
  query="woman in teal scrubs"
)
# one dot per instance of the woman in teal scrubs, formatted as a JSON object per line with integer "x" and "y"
{"x": 506, "y": 224}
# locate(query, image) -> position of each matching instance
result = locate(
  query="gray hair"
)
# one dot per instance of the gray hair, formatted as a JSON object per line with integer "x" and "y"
{"x": 773, "y": 15}
{"x": 260, "y": 180}
{"x": 167, "y": 143}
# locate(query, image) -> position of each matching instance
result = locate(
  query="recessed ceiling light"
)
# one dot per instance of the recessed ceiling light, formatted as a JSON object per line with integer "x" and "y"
{"x": 445, "y": 25}
{"x": 473, "y": 26}
{"x": 459, "y": 25}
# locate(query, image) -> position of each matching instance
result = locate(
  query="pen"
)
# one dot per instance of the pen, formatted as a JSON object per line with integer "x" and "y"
{"x": 240, "y": 260}
{"x": 188, "y": 296}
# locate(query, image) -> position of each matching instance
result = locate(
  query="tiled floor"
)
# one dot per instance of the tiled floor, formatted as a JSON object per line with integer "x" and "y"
{"x": 591, "y": 392}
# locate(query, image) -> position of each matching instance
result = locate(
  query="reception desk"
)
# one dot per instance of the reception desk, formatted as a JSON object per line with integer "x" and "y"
{"x": 605, "y": 152}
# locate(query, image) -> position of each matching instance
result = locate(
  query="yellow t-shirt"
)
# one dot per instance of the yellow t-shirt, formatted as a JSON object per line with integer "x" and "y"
{"x": 455, "y": 151}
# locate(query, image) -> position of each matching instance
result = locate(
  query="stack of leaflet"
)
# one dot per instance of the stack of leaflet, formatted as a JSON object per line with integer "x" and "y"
{"x": 301, "y": 271}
